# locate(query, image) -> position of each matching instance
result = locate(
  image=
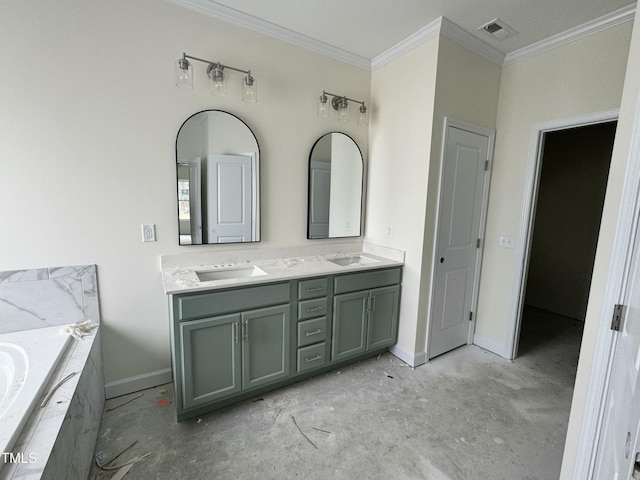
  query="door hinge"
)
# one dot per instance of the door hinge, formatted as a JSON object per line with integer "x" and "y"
{"x": 478, "y": 244}
{"x": 470, "y": 316}
{"x": 486, "y": 165}
{"x": 616, "y": 320}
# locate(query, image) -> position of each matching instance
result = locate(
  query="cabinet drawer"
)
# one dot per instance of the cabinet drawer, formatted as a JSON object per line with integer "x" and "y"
{"x": 312, "y": 331}
{"x": 312, "y": 357}
{"x": 314, "y": 288}
{"x": 366, "y": 280}
{"x": 193, "y": 306}
{"x": 312, "y": 308}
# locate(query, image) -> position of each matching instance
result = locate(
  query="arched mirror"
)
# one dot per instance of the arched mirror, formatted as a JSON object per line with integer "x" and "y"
{"x": 335, "y": 187}
{"x": 218, "y": 165}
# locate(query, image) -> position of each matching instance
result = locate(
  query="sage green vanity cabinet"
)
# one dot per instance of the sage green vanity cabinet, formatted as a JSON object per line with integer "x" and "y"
{"x": 235, "y": 343}
{"x": 313, "y": 339}
{"x": 365, "y": 320}
{"x": 219, "y": 356}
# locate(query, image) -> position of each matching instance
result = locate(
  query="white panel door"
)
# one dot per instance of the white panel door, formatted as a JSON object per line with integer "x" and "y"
{"x": 457, "y": 239}
{"x": 229, "y": 202}
{"x": 320, "y": 193}
{"x": 619, "y": 445}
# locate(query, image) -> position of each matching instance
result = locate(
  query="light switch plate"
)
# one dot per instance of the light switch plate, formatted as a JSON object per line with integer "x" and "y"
{"x": 149, "y": 232}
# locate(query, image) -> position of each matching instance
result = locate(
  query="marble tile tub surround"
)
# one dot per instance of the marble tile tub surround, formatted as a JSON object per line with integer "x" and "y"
{"x": 178, "y": 270}
{"x": 44, "y": 297}
{"x": 62, "y": 435}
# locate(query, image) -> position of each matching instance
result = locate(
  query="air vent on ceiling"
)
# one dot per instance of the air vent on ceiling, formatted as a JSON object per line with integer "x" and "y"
{"x": 498, "y": 29}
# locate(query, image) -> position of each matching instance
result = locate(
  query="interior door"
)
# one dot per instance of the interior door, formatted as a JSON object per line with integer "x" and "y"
{"x": 320, "y": 193}
{"x": 618, "y": 453}
{"x": 461, "y": 210}
{"x": 230, "y": 210}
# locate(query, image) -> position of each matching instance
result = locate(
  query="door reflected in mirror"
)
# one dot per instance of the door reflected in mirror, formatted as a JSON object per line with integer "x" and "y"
{"x": 335, "y": 187}
{"x": 218, "y": 165}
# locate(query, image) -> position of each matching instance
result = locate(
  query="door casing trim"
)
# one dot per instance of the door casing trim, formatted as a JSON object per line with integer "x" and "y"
{"x": 491, "y": 135}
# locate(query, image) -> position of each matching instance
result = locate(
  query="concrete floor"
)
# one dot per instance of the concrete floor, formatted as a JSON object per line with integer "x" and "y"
{"x": 468, "y": 414}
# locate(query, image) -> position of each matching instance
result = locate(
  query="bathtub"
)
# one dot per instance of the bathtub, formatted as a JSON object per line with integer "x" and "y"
{"x": 27, "y": 361}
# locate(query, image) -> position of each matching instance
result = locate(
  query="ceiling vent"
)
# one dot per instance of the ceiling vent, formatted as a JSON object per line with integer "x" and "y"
{"x": 498, "y": 29}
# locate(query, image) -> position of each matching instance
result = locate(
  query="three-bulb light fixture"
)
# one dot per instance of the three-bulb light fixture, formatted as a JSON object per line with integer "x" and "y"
{"x": 341, "y": 104}
{"x": 217, "y": 78}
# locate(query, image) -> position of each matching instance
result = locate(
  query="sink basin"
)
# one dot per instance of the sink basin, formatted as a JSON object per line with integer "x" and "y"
{"x": 353, "y": 259}
{"x": 228, "y": 273}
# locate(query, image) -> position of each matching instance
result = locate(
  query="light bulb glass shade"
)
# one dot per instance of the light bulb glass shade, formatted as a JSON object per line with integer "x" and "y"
{"x": 184, "y": 74}
{"x": 344, "y": 112}
{"x": 363, "y": 116}
{"x": 218, "y": 80}
{"x": 249, "y": 89}
{"x": 323, "y": 106}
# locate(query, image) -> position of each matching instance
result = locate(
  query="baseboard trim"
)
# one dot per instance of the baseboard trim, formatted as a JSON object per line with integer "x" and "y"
{"x": 408, "y": 358}
{"x": 137, "y": 383}
{"x": 491, "y": 346}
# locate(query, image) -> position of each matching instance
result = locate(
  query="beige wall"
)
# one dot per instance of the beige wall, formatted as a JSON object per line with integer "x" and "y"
{"x": 582, "y": 77}
{"x": 597, "y": 312}
{"x": 412, "y": 96}
{"x": 400, "y": 142}
{"x": 88, "y": 126}
{"x": 467, "y": 89}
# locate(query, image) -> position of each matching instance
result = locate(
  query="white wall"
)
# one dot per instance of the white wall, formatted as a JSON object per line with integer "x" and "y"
{"x": 88, "y": 126}
{"x": 582, "y": 77}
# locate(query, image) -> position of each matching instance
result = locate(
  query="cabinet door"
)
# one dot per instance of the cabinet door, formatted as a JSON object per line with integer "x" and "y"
{"x": 266, "y": 345}
{"x": 349, "y": 325}
{"x": 383, "y": 317}
{"x": 210, "y": 359}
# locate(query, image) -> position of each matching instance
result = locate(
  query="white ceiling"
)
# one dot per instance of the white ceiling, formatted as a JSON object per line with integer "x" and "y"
{"x": 368, "y": 28}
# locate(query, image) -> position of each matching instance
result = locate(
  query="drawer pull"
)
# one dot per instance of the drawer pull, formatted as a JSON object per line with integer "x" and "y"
{"x": 308, "y": 334}
{"x": 313, "y": 359}
{"x": 314, "y": 309}
{"x": 314, "y": 289}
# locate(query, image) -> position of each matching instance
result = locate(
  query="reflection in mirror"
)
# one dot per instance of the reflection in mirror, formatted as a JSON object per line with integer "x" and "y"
{"x": 217, "y": 162}
{"x": 335, "y": 187}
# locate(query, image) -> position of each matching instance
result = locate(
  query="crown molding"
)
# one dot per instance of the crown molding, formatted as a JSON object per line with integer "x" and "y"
{"x": 441, "y": 26}
{"x": 612, "y": 19}
{"x": 249, "y": 22}
{"x": 444, "y": 27}
{"x": 414, "y": 40}
{"x": 471, "y": 42}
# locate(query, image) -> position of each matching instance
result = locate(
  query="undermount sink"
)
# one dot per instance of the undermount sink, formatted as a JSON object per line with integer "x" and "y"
{"x": 353, "y": 259}
{"x": 229, "y": 273}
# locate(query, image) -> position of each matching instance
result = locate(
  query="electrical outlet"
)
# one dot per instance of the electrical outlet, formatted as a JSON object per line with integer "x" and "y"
{"x": 506, "y": 241}
{"x": 148, "y": 232}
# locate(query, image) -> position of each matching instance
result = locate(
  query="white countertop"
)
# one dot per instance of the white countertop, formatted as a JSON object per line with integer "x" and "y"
{"x": 184, "y": 279}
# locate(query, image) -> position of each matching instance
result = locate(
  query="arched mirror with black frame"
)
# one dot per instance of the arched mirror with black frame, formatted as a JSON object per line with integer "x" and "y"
{"x": 218, "y": 180}
{"x": 335, "y": 187}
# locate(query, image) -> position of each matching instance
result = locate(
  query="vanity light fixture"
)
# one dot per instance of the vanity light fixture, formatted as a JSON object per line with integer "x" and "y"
{"x": 341, "y": 104}
{"x": 217, "y": 76}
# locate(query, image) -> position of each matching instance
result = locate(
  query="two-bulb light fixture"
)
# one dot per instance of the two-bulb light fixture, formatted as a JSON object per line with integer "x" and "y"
{"x": 341, "y": 104}
{"x": 217, "y": 78}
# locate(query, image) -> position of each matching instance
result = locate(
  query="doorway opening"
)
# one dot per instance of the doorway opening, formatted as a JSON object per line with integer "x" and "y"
{"x": 573, "y": 170}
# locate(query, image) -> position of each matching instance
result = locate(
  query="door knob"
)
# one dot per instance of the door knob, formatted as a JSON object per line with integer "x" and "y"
{"x": 441, "y": 259}
{"x": 636, "y": 468}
